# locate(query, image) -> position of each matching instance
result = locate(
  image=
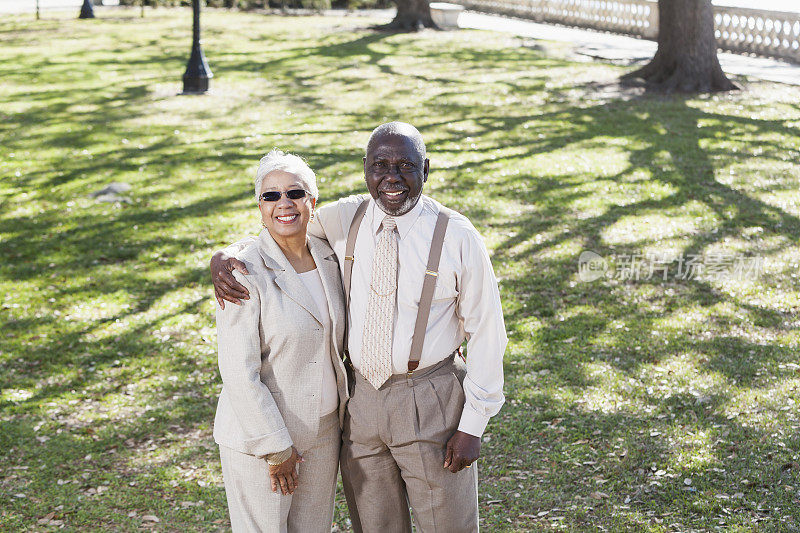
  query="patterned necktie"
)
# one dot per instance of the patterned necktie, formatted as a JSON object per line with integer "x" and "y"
{"x": 376, "y": 343}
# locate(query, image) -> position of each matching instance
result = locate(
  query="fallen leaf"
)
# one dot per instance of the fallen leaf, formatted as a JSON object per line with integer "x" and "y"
{"x": 45, "y": 519}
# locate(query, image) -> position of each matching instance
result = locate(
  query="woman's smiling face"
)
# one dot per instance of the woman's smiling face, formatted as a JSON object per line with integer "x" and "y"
{"x": 285, "y": 217}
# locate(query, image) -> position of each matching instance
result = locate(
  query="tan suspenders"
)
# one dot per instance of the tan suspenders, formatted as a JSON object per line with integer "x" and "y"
{"x": 347, "y": 275}
{"x": 428, "y": 285}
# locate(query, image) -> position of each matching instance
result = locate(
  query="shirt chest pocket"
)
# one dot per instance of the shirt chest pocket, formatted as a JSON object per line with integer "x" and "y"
{"x": 446, "y": 288}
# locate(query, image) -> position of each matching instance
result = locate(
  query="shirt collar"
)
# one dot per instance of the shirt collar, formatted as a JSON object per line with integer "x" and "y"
{"x": 404, "y": 222}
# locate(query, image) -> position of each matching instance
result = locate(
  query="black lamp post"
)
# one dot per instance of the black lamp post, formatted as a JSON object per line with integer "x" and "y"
{"x": 195, "y": 79}
{"x": 87, "y": 11}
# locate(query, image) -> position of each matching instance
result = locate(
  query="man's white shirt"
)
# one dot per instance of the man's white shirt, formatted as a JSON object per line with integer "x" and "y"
{"x": 466, "y": 302}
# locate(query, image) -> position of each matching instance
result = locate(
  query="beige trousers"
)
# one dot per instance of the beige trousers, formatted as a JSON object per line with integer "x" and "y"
{"x": 254, "y": 508}
{"x": 393, "y": 448}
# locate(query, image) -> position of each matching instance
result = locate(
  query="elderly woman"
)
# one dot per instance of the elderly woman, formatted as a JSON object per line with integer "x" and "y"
{"x": 284, "y": 385}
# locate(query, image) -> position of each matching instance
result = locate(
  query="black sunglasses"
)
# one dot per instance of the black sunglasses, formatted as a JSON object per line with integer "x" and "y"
{"x": 274, "y": 196}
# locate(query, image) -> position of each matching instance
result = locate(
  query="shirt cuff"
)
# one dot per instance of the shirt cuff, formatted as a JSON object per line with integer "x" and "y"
{"x": 472, "y": 423}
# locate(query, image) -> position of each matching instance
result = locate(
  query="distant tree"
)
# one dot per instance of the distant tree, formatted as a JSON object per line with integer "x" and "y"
{"x": 686, "y": 59}
{"x": 412, "y": 15}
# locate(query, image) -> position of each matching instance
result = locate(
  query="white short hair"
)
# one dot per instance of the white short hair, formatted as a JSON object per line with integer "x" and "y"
{"x": 278, "y": 160}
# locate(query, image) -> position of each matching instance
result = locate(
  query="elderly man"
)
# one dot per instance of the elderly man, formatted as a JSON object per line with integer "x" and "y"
{"x": 412, "y": 429}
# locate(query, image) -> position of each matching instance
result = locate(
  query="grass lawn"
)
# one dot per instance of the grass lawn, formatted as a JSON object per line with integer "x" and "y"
{"x": 632, "y": 404}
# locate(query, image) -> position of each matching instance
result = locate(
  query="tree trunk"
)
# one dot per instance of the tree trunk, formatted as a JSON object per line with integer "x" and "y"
{"x": 87, "y": 11}
{"x": 686, "y": 59}
{"x": 412, "y": 15}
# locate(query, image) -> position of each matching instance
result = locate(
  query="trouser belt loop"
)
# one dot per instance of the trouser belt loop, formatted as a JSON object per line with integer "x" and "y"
{"x": 412, "y": 376}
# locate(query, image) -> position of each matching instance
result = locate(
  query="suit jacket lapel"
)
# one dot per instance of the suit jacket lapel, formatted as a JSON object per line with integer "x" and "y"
{"x": 331, "y": 278}
{"x": 286, "y": 278}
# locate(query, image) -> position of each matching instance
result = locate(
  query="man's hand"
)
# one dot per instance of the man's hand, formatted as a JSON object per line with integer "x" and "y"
{"x": 284, "y": 475}
{"x": 225, "y": 285}
{"x": 463, "y": 449}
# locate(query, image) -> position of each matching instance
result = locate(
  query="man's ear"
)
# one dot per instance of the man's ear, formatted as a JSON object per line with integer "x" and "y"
{"x": 364, "y": 160}
{"x": 425, "y": 169}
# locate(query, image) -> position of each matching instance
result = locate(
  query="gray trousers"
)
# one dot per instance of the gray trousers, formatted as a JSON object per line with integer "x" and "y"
{"x": 393, "y": 448}
{"x": 254, "y": 508}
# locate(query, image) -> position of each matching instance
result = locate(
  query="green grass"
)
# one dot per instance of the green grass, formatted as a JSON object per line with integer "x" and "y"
{"x": 632, "y": 405}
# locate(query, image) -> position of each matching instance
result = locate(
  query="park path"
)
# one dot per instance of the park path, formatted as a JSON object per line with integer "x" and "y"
{"x": 29, "y": 6}
{"x": 610, "y": 46}
{"x": 596, "y": 44}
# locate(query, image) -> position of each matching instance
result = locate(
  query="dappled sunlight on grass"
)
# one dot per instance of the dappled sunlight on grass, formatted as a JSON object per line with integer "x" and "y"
{"x": 654, "y": 225}
{"x": 768, "y": 407}
{"x": 619, "y": 390}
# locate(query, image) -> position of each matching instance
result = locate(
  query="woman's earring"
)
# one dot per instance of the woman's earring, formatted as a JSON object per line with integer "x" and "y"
{"x": 263, "y": 223}
{"x": 312, "y": 216}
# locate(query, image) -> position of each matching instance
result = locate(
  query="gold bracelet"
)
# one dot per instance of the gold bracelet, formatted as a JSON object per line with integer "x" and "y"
{"x": 275, "y": 459}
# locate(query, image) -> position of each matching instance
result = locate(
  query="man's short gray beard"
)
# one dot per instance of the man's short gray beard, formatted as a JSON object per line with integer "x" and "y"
{"x": 405, "y": 207}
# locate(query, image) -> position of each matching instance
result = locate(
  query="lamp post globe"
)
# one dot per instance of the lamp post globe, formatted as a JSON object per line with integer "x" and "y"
{"x": 87, "y": 11}
{"x": 195, "y": 79}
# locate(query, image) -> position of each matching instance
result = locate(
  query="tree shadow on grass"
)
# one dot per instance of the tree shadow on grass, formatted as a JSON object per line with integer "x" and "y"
{"x": 620, "y": 469}
{"x": 574, "y": 345}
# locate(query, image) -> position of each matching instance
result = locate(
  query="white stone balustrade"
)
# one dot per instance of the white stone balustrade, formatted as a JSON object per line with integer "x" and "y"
{"x": 634, "y": 17}
{"x": 766, "y": 33}
{"x": 741, "y": 30}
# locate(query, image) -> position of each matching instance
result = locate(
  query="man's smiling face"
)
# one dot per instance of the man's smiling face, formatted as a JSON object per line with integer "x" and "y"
{"x": 395, "y": 172}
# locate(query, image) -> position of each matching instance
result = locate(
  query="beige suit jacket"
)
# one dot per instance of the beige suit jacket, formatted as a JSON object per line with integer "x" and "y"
{"x": 272, "y": 349}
